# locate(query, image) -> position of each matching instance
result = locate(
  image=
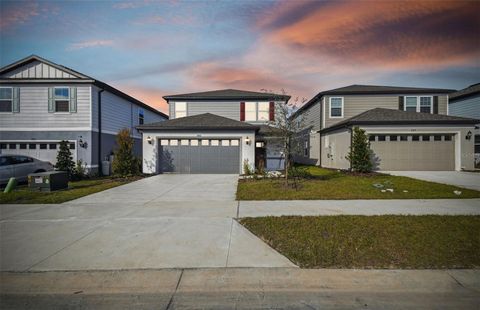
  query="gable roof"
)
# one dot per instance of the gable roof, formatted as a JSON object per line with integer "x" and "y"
{"x": 78, "y": 77}
{"x": 226, "y": 94}
{"x": 381, "y": 116}
{"x": 206, "y": 121}
{"x": 466, "y": 92}
{"x": 374, "y": 90}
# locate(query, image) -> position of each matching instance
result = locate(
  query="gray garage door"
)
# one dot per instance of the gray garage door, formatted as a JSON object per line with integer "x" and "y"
{"x": 199, "y": 156}
{"x": 426, "y": 152}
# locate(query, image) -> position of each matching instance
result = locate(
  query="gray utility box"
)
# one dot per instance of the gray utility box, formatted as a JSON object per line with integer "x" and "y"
{"x": 48, "y": 181}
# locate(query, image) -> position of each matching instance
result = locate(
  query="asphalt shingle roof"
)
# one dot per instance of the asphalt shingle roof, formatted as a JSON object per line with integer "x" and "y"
{"x": 469, "y": 91}
{"x": 206, "y": 121}
{"x": 381, "y": 116}
{"x": 372, "y": 90}
{"x": 227, "y": 94}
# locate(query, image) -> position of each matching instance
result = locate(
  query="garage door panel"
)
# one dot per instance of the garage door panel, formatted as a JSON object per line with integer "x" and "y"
{"x": 199, "y": 159}
{"x": 414, "y": 155}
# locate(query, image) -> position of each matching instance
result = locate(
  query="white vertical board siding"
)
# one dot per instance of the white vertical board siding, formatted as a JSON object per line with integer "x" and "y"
{"x": 34, "y": 109}
{"x": 38, "y": 70}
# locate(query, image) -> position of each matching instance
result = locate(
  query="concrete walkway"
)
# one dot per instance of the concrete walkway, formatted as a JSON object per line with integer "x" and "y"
{"x": 168, "y": 221}
{"x": 243, "y": 288}
{"x": 464, "y": 179}
{"x": 359, "y": 207}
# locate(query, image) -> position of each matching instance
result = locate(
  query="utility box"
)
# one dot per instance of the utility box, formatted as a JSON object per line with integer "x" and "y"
{"x": 48, "y": 181}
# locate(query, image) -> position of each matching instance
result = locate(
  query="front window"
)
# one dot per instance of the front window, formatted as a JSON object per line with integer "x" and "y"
{"x": 426, "y": 104}
{"x": 250, "y": 111}
{"x": 411, "y": 104}
{"x": 141, "y": 117}
{"x": 336, "y": 107}
{"x": 180, "y": 109}
{"x": 263, "y": 111}
{"x": 62, "y": 99}
{"x": 6, "y": 99}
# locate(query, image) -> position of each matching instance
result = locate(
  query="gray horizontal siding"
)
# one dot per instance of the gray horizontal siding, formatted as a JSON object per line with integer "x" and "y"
{"x": 354, "y": 105}
{"x": 38, "y": 70}
{"x": 469, "y": 107}
{"x": 230, "y": 109}
{"x": 34, "y": 110}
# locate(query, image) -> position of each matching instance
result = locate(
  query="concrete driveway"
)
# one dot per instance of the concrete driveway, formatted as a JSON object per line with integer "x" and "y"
{"x": 464, "y": 179}
{"x": 165, "y": 221}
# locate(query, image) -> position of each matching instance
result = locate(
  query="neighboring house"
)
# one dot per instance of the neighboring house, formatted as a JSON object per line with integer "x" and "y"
{"x": 408, "y": 128}
{"x": 466, "y": 103}
{"x": 215, "y": 132}
{"x": 42, "y": 103}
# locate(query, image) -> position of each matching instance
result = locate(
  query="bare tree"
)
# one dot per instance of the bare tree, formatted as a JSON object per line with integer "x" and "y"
{"x": 288, "y": 126}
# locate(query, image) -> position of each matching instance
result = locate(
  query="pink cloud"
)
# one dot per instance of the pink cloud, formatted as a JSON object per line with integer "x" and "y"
{"x": 89, "y": 44}
{"x": 12, "y": 16}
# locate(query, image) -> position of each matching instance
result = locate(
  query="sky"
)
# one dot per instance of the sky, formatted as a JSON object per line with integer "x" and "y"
{"x": 150, "y": 49}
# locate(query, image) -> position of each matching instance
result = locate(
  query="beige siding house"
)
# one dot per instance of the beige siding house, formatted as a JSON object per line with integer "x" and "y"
{"x": 408, "y": 128}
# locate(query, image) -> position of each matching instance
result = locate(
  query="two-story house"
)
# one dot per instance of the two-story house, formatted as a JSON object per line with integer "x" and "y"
{"x": 409, "y": 128}
{"x": 43, "y": 103}
{"x": 466, "y": 103}
{"x": 215, "y": 132}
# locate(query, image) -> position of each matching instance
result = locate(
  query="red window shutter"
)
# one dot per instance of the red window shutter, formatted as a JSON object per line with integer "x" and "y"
{"x": 272, "y": 111}
{"x": 242, "y": 111}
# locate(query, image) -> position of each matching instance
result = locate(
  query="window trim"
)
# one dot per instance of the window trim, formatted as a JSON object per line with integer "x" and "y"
{"x": 55, "y": 101}
{"x": 418, "y": 106}
{"x": 11, "y": 100}
{"x": 330, "y": 107}
{"x": 255, "y": 104}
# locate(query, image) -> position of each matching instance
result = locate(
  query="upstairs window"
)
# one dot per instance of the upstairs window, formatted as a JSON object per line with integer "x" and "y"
{"x": 180, "y": 109}
{"x": 141, "y": 117}
{"x": 336, "y": 107}
{"x": 411, "y": 104}
{"x": 62, "y": 99}
{"x": 250, "y": 111}
{"x": 419, "y": 104}
{"x": 263, "y": 111}
{"x": 6, "y": 99}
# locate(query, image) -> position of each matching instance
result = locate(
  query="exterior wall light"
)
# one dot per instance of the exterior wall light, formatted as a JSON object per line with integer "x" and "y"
{"x": 82, "y": 142}
{"x": 247, "y": 140}
{"x": 469, "y": 135}
{"x": 149, "y": 140}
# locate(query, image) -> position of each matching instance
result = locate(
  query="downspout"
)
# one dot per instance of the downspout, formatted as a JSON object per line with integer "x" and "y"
{"x": 351, "y": 144}
{"x": 100, "y": 173}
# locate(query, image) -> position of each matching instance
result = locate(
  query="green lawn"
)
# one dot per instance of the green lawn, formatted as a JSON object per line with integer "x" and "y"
{"x": 388, "y": 241}
{"x": 333, "y": 184}
{"x": 75, "y": 190}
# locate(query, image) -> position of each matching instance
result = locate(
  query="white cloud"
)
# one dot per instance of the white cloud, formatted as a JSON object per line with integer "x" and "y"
{"x": 88, "y": 44}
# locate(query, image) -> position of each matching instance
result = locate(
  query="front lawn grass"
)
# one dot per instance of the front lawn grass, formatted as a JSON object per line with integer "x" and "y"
{"x": 333, "y": 184}
{"x": 75, "y": 190}
{"x": 387, "y": 241}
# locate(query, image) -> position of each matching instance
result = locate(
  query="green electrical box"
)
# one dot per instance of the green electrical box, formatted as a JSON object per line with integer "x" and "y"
{"x": 48, "y": 181}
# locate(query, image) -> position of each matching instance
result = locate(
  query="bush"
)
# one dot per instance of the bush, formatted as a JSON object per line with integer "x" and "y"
{"x": 124, "y": 162}
{"x": 65, "y": 159}
{"x": 80, "y": 170}
{"x": 360, "y": 153}
{"x": 247, "y": 169}
{"x": 299, "y": 172}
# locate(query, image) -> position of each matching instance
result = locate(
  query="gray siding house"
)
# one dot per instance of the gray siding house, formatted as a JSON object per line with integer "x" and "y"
{"x": 42, "y": 103}
{"x": 466, "y": 103}
{"x": 215, "y": 132}
{"x": 409, "y": 128}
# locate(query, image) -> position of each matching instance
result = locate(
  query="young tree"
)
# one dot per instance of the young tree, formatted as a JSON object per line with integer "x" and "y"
{"x": 124, "y": 161}
{"x": 288, "y": 126}
{"x": 65, "y": 159}
{"x": 360, "y": 153}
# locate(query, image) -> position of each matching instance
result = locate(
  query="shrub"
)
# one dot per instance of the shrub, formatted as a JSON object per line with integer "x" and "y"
{"x": 124, "y": 162}
{"x": 80, "y": 170}
{"x": 65, "y": 159}
{"x": 360, "y": 153}
{"x": 247, "y": 169}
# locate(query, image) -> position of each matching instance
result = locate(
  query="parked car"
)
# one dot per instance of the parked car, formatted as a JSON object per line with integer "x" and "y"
{"x": 20, "y": 166}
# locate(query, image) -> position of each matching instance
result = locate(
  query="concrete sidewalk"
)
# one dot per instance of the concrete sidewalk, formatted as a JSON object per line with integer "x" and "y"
{"x": 359, "y": 207}
{"x": 244, "y": 288}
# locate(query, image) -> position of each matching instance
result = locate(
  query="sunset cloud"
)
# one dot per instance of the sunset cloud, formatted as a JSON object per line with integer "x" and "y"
{"x": 11, "y": 16}
{"x": 148, "y": 95}
{"x": 89, "y": 44}
{"x": 393, "y": 34}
